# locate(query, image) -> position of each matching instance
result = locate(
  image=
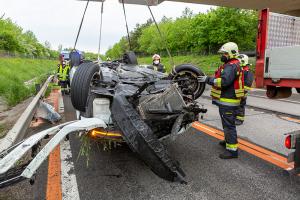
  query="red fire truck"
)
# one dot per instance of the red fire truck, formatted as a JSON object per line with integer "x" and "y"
{"x": 278, "y": 54}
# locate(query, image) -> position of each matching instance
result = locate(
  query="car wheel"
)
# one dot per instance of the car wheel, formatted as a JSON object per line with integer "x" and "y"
{"x": 85, "y": 78}
{"x": 89, "y": 105}
{"x": 130, "y": 58}
{"x": 187, "y": 74}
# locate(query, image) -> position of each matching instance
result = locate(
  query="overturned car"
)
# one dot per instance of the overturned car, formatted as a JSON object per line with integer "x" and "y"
{"x": 122, "y": 102}
{"x": 140, "y": 106}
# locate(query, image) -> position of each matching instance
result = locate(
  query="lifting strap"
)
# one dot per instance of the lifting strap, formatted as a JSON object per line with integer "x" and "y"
{"x": 161, "y": 36}
{"x": 100, "y": 31}
{"x": 126, "y": 25}
{"x": 87, "y": 3}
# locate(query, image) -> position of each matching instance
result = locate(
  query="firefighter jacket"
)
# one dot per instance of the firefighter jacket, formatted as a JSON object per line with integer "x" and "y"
{"x": 228, "y": 84}
{"x": 159, "y": 67}
{"x": 248, "y": 78}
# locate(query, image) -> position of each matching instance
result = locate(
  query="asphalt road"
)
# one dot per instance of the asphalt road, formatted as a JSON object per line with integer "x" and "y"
{"x": 120, "y": 174}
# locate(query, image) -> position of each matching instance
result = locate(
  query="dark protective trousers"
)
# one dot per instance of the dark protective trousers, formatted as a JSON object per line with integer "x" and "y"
{"x": 228, "y": 116}
{"x": 241, "y": 110}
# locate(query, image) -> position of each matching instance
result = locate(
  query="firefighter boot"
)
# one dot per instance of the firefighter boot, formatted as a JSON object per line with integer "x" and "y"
{"x": 223, "y": 143}
{"x": 227, "y": 154}
{"x": 239, "y": 122}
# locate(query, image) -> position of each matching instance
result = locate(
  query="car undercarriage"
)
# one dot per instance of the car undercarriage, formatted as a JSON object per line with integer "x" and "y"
{"x": 143, "y": 105}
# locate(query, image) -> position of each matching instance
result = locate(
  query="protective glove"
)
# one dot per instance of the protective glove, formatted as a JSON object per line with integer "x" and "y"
{"x": 202, "y": 79}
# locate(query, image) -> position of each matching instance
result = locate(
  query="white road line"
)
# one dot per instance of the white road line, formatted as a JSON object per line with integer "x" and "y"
{"x": 284, "y": 100}
{"x": 60, "y": 103}
{"x": 68, "y": 177}
{"x": 258, "y": 89}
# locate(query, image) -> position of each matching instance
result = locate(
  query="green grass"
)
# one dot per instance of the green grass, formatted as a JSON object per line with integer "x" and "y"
{"x": 2, "y": 130}
{"x": 208, "y": 64}
{"x": 51, "y": 87}
{"x": 15, "y": 71}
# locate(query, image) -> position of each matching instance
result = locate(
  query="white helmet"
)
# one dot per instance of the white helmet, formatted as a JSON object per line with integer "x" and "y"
{"x": 155, "y": 56}
{"x": 231, "y": 48}
{"x": 244, "y": 60}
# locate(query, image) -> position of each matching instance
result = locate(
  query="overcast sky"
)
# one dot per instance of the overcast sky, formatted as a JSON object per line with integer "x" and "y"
{"x": 57, "y": 21}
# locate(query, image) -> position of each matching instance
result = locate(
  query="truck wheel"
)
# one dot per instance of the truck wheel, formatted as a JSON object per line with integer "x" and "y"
{"x": 298, "y": 90}
{"x": 85, "y": 78}
{"x": 271, "y": 92}
{"x": 189, "y": 86}
{"x": 278, "y": 92}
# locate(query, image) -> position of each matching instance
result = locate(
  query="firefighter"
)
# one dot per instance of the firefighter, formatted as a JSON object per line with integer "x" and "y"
{"x": 157, "y": 66}
{"x": 227, "y": 91}
{"x": 63, "y": 70}
{"x": 248, "y": 79}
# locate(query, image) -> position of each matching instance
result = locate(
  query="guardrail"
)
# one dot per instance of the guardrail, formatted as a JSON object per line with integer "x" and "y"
{"x": 18, "y": 131}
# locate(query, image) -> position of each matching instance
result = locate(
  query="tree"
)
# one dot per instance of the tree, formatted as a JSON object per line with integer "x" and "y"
{"x": 204, "y": 32}
{"x": 47, "y": 44}
{"x": 187, "y": 13}
{"x": 136, "y": 34}
{"x": 13, "y": 39}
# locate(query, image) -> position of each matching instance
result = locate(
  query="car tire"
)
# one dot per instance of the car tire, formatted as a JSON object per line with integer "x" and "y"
{"x": 74, "y": 58}
{"x": 89, "y": 105}
{"x": 82, "y": 84}
{"x": 130, "y": 58}
{"x": 194, "y": 72}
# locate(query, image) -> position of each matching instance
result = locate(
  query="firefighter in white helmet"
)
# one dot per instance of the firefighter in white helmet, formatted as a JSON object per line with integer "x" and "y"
{"x": 248, "y": 80}
{"x": 227, "y": 92}
{"x": 156, "y": 64}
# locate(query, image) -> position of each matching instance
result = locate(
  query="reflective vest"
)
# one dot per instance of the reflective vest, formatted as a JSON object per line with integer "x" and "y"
{"x": 63, "y": 72}
{"x": 216, "y": 91}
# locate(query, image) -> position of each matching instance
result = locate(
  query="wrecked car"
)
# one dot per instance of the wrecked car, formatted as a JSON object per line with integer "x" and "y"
{"x": 140, "y": 106}
{"x": 121, "y": 102}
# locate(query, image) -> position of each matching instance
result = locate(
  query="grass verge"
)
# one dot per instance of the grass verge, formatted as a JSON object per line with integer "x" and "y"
{"x": 208, "y": 64}
{"x": 15, "y": 71}
{"x": 2, "y": 131}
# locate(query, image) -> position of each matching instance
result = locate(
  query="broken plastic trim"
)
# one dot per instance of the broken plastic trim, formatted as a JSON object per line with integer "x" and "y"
{"x": 141, "y": 140}
{"x": 12, "y": 155}
{"x": 86, "y": 124}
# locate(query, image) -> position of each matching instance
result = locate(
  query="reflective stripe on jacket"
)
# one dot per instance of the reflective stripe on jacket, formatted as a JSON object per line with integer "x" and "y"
{"x": 228, "y": 84}
{"x": 63, "y": 72}
{"x": 248, "y": 78}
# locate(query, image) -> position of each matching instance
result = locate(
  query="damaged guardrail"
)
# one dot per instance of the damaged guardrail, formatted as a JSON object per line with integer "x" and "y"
{"x": 19, "y": 129}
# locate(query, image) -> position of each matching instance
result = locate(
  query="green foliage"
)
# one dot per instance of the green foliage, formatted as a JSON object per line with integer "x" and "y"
{"x": 93, "y": 56}
{"x": 15, "y": 71}
{"x": 201, "y": 33}
{"x": 2, "y": 130}
{"x": 222, "y": 25}
{"x": 118, "y": 49}
{"x": 14, "y": 40}
{"x": 122, "y": 46}
{"x": 206, "y": 63}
